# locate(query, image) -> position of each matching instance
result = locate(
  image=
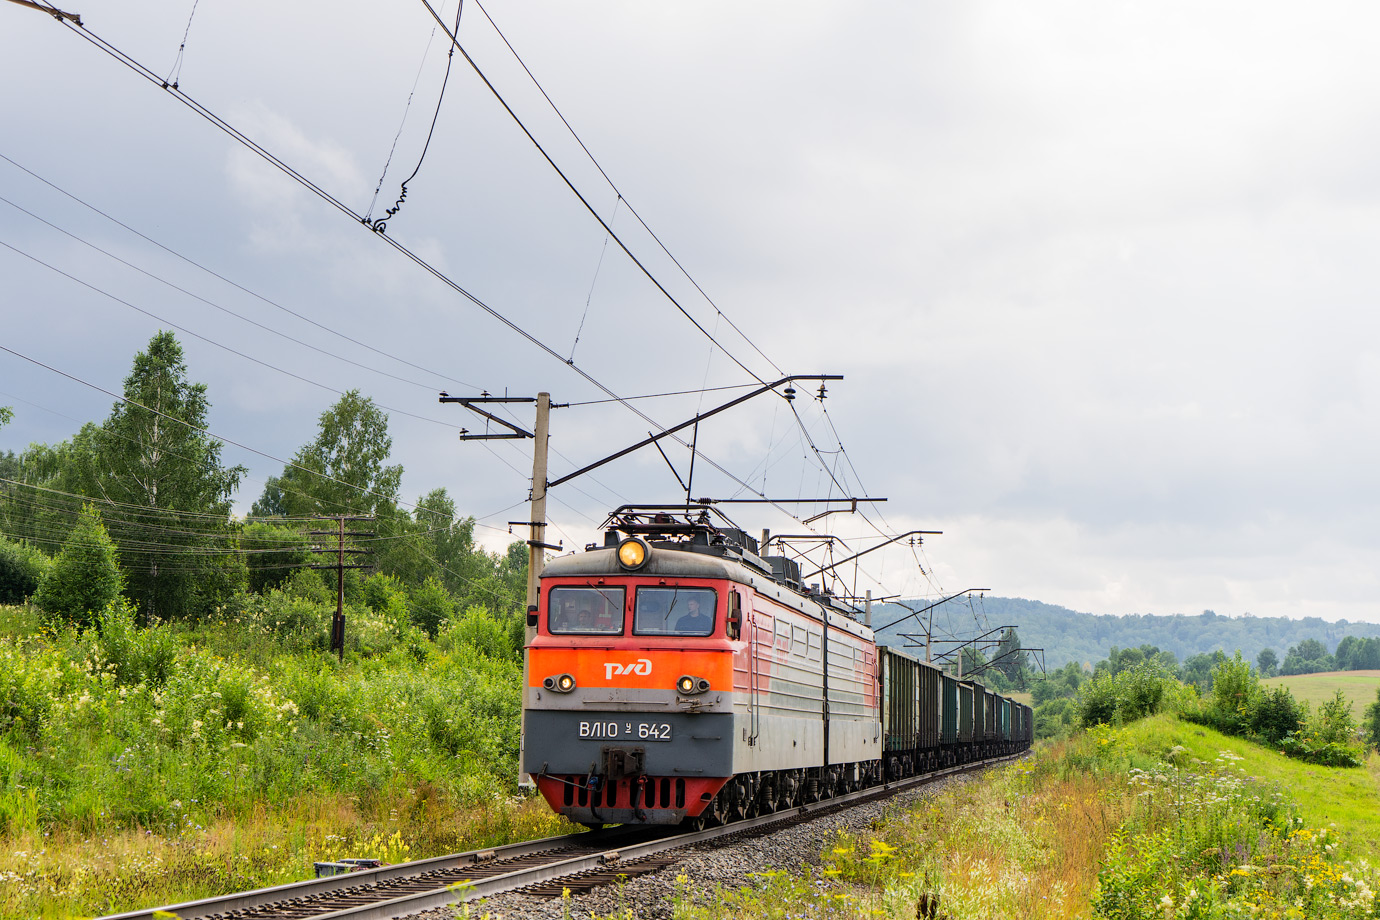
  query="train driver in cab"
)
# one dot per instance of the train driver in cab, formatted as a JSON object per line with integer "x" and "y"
{"x": 695, "y": 622}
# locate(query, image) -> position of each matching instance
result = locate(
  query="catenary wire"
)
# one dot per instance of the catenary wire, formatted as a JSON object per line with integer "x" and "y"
{"x": 110, "y": 49}
{"x": 407, "y": 253}
{"x": 619, "y": 192}
{"x": 584, "y": 201}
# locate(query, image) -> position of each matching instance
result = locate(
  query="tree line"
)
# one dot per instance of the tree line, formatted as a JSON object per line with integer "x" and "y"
{"x": 139, "y": 506}
{"x": 1067, "y": 635}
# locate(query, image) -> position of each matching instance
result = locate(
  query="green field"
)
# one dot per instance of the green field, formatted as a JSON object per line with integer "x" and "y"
{"x": 1346, "y": 798}
{"x": 1359, "y": 687}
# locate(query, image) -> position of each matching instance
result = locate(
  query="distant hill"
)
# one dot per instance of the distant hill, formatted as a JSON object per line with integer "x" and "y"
{"x": 1067, "y": 635}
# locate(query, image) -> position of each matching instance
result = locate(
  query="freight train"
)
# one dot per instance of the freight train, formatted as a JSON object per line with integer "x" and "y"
{"x": 676, "y": 676}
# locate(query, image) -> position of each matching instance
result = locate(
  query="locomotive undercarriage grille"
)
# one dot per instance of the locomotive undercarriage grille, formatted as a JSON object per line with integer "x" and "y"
{"x": 656, "y": 792}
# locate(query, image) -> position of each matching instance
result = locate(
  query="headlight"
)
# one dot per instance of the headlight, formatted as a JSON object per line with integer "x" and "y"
{"x": 562, "y": 683}
{"x": 688, "y": 685}
{"x": 632, "y": 553}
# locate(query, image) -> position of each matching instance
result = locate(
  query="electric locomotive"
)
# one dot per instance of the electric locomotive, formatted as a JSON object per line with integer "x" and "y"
{"x": 677, "y": 676}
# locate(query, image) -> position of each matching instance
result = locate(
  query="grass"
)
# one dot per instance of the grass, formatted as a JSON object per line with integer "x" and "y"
{"x": 62, "y": 874}
{"x": 1358, "y": 686}
{"x": 1021, "y": 841}
{"x": 1159, "y": 818}
{"x": 1348, "y": 798}
{"x": 141, "y": 767}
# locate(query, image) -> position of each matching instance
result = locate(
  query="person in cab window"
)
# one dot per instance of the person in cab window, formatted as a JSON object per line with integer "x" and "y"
{"x": 565, "y": 616}
{"x": 586, "y": 618}
{"x": 695, "y": 622}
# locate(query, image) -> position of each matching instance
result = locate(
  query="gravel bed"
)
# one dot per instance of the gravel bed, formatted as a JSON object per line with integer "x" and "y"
{"x": 725, "y": 863}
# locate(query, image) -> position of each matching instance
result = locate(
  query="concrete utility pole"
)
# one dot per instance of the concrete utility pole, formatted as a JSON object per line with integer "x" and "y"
{"x": 536, "y": 521}
{"x": 536, "y": 546}
{"x": 536, "y": 558}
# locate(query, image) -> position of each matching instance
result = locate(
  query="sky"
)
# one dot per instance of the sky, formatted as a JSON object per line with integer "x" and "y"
{"x": 1095, "y": 274}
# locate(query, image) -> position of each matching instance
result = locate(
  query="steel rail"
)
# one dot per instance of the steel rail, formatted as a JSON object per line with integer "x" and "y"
{"x": 260, "y": 897}
{"x": 532, "y": 875}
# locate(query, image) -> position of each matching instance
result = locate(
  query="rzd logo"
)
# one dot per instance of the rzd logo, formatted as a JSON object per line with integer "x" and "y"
{"x": 642, "y": 666}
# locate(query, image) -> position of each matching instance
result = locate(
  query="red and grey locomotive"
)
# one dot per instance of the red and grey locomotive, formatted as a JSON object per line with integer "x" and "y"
{"x": 677, "y": 676}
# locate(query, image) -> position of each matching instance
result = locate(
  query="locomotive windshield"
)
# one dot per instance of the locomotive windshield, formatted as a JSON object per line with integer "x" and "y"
{"x": 674, "y": 612}
{"x": 590, "y": 611}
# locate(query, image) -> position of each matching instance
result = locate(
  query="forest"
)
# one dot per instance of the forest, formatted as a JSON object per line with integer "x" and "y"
{"x": 140, "y": 504}
{"x": 1064, "y": 635}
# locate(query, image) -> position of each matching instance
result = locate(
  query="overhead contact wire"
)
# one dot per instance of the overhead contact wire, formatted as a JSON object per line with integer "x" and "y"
{"x": 345, "y": 209}
{"x": 541, "y": 89}
{"x": 584, "y": 201}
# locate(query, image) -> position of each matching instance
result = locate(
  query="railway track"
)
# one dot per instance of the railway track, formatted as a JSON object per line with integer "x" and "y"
{"x": 538, "y": 867}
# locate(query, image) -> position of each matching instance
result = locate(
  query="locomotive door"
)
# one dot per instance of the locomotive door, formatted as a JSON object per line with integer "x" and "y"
{"x": 749, "y": 616}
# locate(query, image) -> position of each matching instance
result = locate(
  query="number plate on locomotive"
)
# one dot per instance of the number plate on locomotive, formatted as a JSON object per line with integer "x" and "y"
{"x": 626, "y": 731}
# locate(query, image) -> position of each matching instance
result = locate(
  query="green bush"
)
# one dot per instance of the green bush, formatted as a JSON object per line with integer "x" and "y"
{"x": 25, "y": 684}
{"x": 292, "y": 616}
{"x": 384, "y": 593}
{"x": 478, "y": 629}
{"x": 431, "y": 606}
{"x": 85, "y": 577}
{"x": 134, "y": 655}
{"x": 1333, "y": 722}
{"x": 212, "y": 702}
{"x": 1055, "y": 718}
{"x": 1133, "y": 693}
{"x": 1238, "y": 705}
{"x": 1328, "y": 737}
{"x": 1308, "y": 748}
{"x": 307, "y": 585}
{"x": 1371, "y": 724}
{"x": 22, "y": 568}
{"x": 1235, "y": 694}
{"x": 1275, "y": 715}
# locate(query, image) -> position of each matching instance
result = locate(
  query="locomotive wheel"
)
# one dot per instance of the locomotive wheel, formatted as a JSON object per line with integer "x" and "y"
{"x": 767, "y": 796}
{"x": 716, "y": 812}
{"x": 745, "y": 800}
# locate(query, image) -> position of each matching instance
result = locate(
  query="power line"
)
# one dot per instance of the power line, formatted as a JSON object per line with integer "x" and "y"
{"x": 619, "y": 192}
{"x": 327, "y": 197}
{"x": 273, "y": 160}
{"x": 380, "y": 224}
{"x": 277, "y": 306}
{"x": 210, "y": 303}
{"x": 590, "y": 208}
{"x": 206, "y": 431}
{"x": 210, "y": 341}
{"x": 696, "y": 392}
